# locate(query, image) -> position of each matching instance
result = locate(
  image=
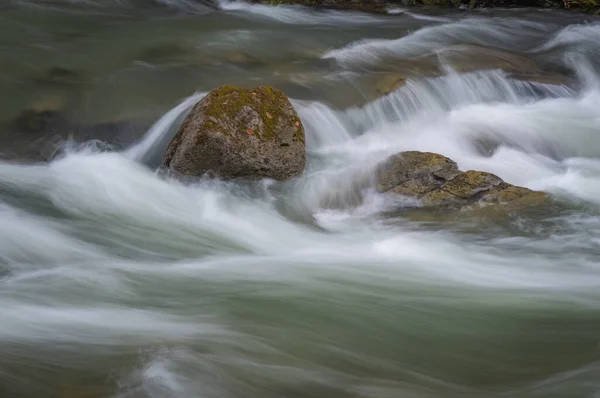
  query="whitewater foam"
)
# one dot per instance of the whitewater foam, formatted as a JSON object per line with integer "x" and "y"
{"x": 499, "y": 33}
{"x": 294, "y": 14}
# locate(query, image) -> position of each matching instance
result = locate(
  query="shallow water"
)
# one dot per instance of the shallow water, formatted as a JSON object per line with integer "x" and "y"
{"x": 119, "y": 281}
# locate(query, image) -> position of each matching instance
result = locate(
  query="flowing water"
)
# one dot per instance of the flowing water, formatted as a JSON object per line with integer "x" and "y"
{"x": 119, "y": 281}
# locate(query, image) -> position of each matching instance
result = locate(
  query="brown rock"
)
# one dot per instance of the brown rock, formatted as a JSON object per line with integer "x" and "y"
{"x": 470, "y": 183}
{"x": 413, "y": 165}
{"x": 237, "y": 132}
{"x": 388, "y": 83}
{"x": 436, "y": 181}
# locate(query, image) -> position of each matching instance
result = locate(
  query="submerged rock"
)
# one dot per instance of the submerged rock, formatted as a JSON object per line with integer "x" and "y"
{"x": 40, "y": 131}
{"x": 436, "y": 181}
{"x": 59, "y": 76}
{"x": 38, "y": 121}
{"x": 238, "y": 132}
{"x": 388, "y": 83}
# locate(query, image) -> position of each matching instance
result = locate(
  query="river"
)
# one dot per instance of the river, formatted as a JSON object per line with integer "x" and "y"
{"x": 118, "y": 281}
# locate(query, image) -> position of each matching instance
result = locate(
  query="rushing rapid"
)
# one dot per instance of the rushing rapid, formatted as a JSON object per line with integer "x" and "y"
{"x": 119, "y": 280}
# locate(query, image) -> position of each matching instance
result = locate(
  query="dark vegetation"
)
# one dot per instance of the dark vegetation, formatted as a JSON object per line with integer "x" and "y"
{"x": 383, "y": 5}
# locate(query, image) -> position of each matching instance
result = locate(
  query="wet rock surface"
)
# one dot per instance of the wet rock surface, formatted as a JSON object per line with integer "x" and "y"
{"x": 436, "y": 181}
{"x": 237, "y": 132}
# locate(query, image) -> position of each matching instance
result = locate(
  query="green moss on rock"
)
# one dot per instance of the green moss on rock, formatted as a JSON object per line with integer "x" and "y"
{"x": 240, "y": 132}
{"x": 436, "y": 181}
{"x": 441, "y": 197}
{"x": 267, "y": 101}
{"x": 412, "y": 165}
{"x": 471, "y": 182}
{"x": 510, "y": 194}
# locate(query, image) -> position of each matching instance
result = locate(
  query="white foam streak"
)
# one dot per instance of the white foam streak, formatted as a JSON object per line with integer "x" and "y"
{"x": 36, "y": 242}
{"x": 458, "y": 116}
{"x": 101, "y": 325}
{"x": 292, "y": 14}
{"x": 160, "y": 130}
{"x": 574, "y": 35}
{"x": 318, "y": 118}
{"x": 491, "y": 32}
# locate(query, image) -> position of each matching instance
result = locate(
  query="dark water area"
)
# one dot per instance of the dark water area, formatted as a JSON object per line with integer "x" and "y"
{"x": 119, "y": 281}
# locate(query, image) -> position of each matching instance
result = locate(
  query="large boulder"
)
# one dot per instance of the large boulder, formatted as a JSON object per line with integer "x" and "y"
{"x": 436, "y": 181}
{"x": 238, "y": 132}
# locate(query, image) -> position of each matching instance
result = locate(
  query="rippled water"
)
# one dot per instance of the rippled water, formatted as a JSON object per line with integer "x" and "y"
{"x": 118, "y": 281}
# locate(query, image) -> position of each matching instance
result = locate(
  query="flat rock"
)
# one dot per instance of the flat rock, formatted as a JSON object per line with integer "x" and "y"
{"x": 437, "y": 182}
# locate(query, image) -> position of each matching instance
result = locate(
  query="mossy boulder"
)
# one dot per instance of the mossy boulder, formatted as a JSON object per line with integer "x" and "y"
{"x": 436, "y": 181}
{"x": 237, "y": 132}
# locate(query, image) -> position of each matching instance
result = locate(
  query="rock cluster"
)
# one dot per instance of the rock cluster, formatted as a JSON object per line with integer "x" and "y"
{"x": 436, "y": 181}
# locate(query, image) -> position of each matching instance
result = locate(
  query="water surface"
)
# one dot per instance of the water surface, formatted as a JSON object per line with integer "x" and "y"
{"x": 118, "y": 281}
